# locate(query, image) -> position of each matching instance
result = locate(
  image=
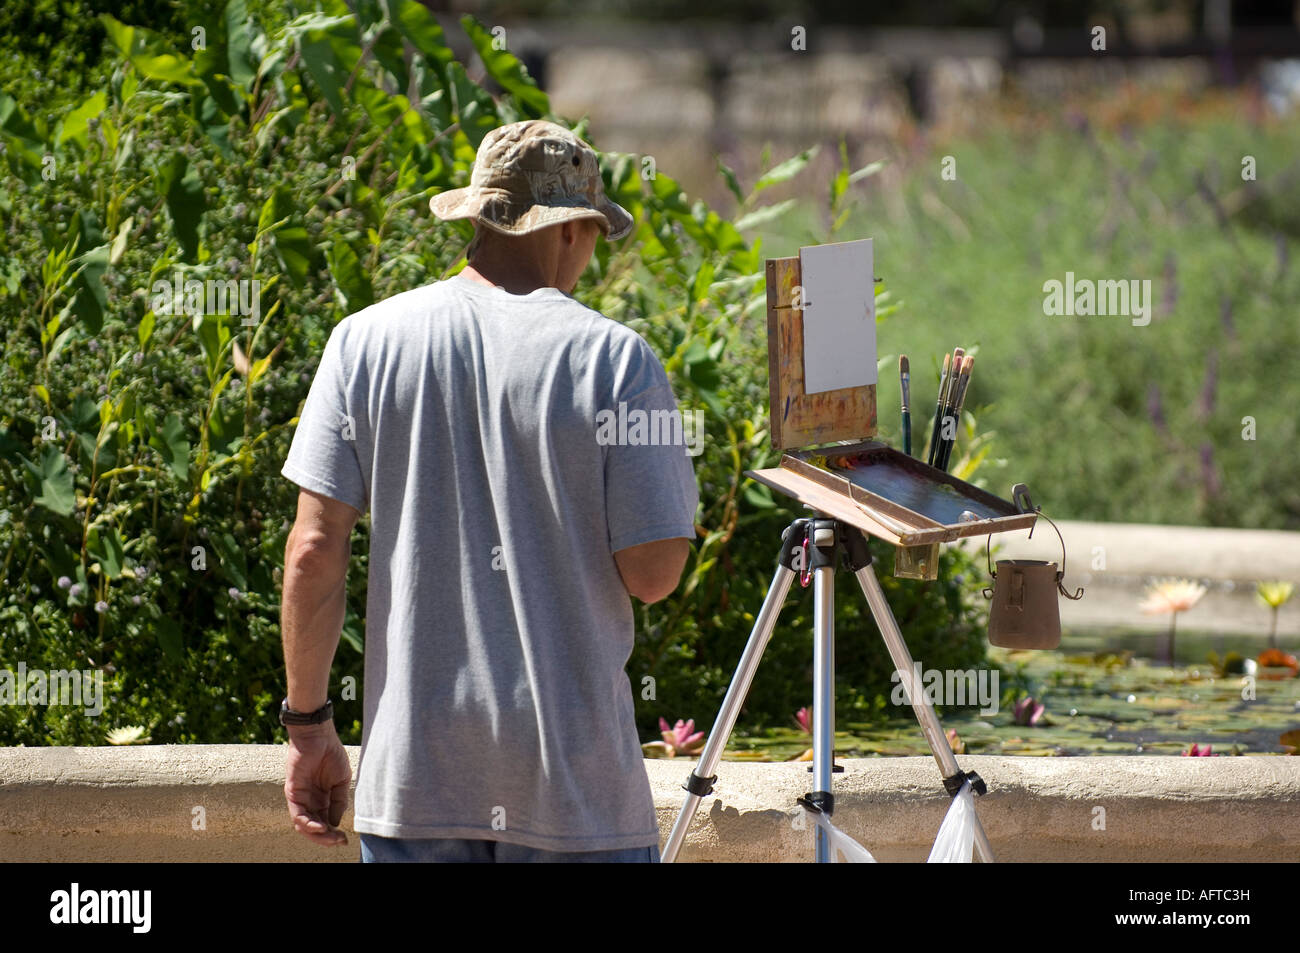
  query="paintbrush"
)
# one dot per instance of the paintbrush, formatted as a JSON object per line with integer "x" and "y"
{"x": 950, "y": 397}
{"x": 905, "y": 378}
{"x": 963, "y": 384}
{"x": 938, "y": 410}
{"x": 948, "y": 433}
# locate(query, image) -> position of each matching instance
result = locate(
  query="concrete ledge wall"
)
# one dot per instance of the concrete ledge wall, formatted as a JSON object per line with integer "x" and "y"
{"x": 137, "y": 804}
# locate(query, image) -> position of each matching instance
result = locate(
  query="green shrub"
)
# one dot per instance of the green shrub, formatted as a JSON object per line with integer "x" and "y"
{"x": 140, "y": 448}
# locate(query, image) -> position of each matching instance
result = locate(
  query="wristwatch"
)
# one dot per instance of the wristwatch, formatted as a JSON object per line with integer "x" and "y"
{"x": 290, "y": 717}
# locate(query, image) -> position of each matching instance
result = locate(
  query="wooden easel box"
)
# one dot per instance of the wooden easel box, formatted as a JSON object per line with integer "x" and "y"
{"x": 801, "y": 424}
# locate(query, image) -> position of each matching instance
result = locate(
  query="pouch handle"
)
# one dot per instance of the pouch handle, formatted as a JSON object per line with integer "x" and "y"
{"x": 1020, "y": 493}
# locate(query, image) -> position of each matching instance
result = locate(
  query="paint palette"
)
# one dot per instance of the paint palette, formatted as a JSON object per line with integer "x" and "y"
{"x": 891, "y": 495}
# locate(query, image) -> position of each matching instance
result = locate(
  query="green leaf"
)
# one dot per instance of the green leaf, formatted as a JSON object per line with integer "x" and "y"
{"x": 767, "y": 213}
{"x": 325, "y": 68}
{"x": 419, "y": 26}
{"x": 506, "y": 68}
{"x": 91, "y": 295}
{"x": 183, "y": 190}
{"x": 352, "y": 633}
{"x": 118, "y": 248}
{"x": 55, "y": 481}
{"x": 296, "y": 253}
{"x": 291, "y": 241}
{"x": 786, "y": 170}
{"x": 172, "y": 446}
{"x": 76, "y": 125}
{"x": 145, "y": 331}
{"x": 148, "y": 53}
{"x": 867, "y": 170}
{"x": 729, "y": 176}
{"x": 474, "y": 109}
{"x": 106, "y": 546}
{"x": 240, "y": 30}
{"x": 168, "y": 633}
{"x": 231, "y": 562}
{"x": 388, "y": 50}
{"x": 350, "y": 279}
{"x": 701, "y": 368}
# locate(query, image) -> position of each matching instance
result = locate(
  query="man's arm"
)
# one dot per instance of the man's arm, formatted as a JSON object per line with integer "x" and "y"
{"x": 317, "y": 771}
{"x": 652, "y": 570}
{"x": 314, "y": 598}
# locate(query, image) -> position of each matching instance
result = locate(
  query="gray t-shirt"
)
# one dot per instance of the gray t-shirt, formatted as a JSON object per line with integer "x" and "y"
{"x": 476, "y": 424}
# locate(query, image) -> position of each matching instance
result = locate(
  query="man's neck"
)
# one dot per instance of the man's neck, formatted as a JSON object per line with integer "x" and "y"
{"x": 515, "y": 281}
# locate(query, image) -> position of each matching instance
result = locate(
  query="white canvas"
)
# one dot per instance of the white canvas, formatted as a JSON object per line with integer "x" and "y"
{"x": 839, "y": 315}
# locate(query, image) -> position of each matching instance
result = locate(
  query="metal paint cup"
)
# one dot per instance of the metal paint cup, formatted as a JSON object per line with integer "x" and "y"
{"x": 917, "y": 562}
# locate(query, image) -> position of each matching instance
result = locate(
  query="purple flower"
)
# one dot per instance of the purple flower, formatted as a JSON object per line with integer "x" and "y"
{"x": 101, "y": 606}
{"x": 64, "y": 582}
{"x": 234, "y": 593}
{"x": 75, "y": 591}
{"x": 135, "y": 600}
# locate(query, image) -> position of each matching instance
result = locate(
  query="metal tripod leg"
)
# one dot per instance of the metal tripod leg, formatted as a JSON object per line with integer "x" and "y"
{"x": 920, "y": 704}
{"x": 702, "y": 778}
{"x": 823, "y": 701}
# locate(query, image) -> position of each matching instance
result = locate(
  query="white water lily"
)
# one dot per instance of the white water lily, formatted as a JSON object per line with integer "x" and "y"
{"x": 1172, "y": 595}
{"x": 130, "y": 735}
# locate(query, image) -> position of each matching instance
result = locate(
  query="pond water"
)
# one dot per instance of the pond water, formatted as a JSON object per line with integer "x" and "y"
{"x": 1104, "y": 694}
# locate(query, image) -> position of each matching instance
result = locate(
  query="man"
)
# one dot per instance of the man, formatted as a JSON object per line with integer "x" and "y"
{"x": 506, "y": 536}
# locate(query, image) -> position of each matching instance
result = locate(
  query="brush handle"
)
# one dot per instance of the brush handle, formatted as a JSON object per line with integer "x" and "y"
{"x": 934, "y": 435}
{"x": 957, "y": 406}
{"x": 945, "y": 443}
{"x": 907, "y": 432}
{"x": 945, "y": 450}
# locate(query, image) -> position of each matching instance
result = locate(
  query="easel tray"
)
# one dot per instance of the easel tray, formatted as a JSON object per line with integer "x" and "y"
{"x": 891, "y": 495}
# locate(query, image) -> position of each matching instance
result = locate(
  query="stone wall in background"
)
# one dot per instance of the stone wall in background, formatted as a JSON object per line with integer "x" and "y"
{"x": 684, "y": 95}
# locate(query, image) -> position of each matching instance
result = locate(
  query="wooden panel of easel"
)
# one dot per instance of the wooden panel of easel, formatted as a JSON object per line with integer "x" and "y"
{"x": 798, "y": 419}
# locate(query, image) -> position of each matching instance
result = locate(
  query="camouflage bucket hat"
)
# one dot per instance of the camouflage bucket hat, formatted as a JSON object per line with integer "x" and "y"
{"x": 528, "y": 175}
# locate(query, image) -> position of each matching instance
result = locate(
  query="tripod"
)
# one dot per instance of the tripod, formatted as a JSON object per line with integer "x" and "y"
{"x": 812, "y": 546}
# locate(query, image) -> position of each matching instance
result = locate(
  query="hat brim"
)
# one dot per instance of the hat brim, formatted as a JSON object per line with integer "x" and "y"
{"x": 493, "y": 209}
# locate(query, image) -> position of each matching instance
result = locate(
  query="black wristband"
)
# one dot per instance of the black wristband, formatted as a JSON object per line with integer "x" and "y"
{"x": 290, "y": 717}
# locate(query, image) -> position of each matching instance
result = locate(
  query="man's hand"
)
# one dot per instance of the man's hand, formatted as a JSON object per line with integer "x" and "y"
{"x": 317, "y": 778}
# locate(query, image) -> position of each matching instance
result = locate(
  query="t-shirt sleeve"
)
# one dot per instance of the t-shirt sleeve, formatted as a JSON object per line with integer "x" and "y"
{"x": 650, "y": 488}
{"x": 323, "y": 456}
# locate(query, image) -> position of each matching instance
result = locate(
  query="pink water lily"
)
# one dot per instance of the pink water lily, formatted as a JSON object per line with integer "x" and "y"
{"x": 803, "y": 718}
{"x": 1027, "y": 711}
{"x": 682, "y": 737}
{"x": 1197, "y": 751}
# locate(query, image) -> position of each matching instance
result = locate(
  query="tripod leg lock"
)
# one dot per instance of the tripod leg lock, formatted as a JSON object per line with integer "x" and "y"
{"x": 700, "y": 787}
{"x": 953, "y": 784}
{"x": 820, "y": 802}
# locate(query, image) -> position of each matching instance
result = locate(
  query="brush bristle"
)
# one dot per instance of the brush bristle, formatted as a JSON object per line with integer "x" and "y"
{"x": 903, "y": 367}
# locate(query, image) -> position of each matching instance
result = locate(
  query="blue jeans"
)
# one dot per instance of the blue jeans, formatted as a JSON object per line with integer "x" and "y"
{"x": 446, "y": 850}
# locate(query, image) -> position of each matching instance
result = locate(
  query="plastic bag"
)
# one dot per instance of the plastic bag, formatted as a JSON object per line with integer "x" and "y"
{"x": 841, "y": 844}
{"x": 956, "y": 841}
